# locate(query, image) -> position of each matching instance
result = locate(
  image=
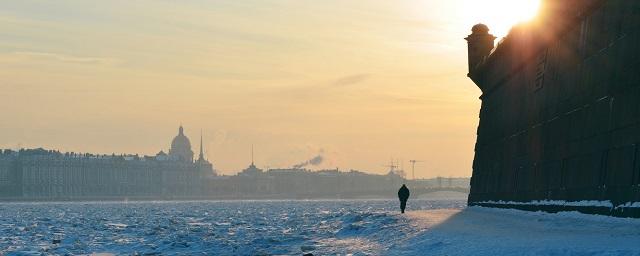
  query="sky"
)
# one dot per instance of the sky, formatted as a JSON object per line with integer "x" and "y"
{"x": 358, "y": 82}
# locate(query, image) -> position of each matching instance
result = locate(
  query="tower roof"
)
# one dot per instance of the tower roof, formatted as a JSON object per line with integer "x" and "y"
{"x": 480, "y": 29}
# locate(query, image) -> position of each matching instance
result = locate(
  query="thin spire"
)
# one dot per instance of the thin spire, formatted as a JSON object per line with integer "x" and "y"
{"x": 252, "y": 154}
{"x": 201, "y": 150}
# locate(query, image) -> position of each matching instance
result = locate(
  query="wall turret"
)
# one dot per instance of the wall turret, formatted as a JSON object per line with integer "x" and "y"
{"x": 480, "y": 43}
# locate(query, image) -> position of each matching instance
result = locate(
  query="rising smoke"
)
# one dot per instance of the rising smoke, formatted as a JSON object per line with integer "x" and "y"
{"x": 315, "y": 161}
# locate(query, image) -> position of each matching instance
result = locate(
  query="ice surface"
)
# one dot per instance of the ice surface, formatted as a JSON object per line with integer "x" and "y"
{"x": 211, "y": 228}
{"x": 373, "y": 227}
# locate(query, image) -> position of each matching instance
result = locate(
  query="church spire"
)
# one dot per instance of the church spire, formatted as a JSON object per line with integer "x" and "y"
{"x": 201, "y": 151}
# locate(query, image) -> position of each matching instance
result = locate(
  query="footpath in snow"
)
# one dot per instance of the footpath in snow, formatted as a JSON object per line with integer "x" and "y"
{"x": 486, "y": 231}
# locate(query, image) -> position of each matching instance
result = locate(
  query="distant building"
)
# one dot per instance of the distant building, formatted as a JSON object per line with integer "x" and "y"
{"x": 46, "y": 174}
{"x": 203, "y": 165}
{"x": 181, "y": 147}
{"x": 251, "y": 171}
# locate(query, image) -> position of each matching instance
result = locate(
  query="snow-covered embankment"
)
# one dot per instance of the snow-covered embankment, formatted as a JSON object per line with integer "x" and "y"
{"x": 486, "y": 231}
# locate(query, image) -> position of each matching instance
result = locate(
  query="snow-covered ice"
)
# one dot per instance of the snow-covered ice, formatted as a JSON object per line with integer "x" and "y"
{"x": 365, "y": 227}
{"x": 486, "y": 231}
{"x": 208, "y": 228}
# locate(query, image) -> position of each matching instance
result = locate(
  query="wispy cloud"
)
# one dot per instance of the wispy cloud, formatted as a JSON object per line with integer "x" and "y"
{"x": 351, "y": 80}
{"x": 66, "y": 58}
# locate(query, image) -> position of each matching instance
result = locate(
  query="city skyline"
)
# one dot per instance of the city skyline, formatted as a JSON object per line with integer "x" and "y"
{"x": 359, "y": 81}
{"x": 311, "y": 164}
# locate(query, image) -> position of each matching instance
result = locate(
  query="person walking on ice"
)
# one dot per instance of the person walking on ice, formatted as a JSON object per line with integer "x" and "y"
{"x": 403, "y": 195}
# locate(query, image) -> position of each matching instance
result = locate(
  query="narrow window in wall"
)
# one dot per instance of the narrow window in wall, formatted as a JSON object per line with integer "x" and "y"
{"x": 541, "y": 66}
{"x": 563, "y": 174}
{"x": 584, "y": 31}
{"x": 603, "y": 169}
{"x": 635, "y": 177}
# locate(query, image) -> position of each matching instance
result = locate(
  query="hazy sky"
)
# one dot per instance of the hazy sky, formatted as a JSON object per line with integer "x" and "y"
{"x": 359, "y": 81}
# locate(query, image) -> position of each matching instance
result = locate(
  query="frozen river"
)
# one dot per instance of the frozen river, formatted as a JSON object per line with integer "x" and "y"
{"x": 210, "y": 228}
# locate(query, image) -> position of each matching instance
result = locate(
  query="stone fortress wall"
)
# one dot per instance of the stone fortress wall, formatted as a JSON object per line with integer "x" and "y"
{"x": 560, "y": 118}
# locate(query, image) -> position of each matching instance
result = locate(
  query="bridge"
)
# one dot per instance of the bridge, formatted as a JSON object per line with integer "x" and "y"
{"x": 415, "y": 192}
{"x": 427, "y": 190}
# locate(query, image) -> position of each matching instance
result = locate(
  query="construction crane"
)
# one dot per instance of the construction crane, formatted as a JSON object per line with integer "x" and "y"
{"x": 396, "y": 166}
{"x": 413, "y": 167}
{"x": 392, "y": 166}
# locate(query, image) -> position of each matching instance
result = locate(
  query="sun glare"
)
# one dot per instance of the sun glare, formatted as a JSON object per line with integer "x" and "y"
{"x": 500, "y": 15}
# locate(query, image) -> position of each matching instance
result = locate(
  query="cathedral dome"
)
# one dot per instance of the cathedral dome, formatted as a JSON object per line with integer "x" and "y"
{"x": 181, "y": 147}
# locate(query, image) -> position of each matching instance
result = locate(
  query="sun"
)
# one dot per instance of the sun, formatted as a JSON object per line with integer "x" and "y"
{"x": 500, "y": 15}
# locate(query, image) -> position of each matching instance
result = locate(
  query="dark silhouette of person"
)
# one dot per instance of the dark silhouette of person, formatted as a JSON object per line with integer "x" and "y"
{"x": 403, "y": 195}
